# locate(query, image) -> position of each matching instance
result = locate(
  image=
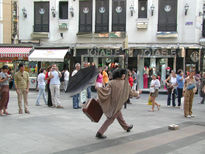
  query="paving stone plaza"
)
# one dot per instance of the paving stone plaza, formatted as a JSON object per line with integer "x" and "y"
{"x": 67, "y": 131}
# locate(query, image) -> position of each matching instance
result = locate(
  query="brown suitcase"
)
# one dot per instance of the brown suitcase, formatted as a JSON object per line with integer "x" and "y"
{"x": 93, "y": 110}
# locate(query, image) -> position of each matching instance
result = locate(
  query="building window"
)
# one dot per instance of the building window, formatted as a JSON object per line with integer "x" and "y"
{"x": 167, "y": 17}
{"x": 85, "y": 16}
{"x": 142, "y": 9}
{"x": 102, "y": 16}
{"x": 63, "y": 10}
{"x": 41, "y": 16}
{"x": 119, "y": 15}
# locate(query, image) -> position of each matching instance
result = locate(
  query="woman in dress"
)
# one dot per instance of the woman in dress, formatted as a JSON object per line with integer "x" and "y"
{"x": 154, "y": 90}
{"x": 4, "y": 81}
{"x": 48, "y": 86}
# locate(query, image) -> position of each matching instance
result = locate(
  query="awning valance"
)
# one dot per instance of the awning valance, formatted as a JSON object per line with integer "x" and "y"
{"x": 48, "y": 55}
{"x": 14, "y": 51}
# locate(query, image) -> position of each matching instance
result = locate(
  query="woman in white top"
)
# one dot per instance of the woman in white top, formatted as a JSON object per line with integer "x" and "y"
{"x": 171, "y": 82}
{"x": 41, "y": 86}
{"x": 154, "y": 90}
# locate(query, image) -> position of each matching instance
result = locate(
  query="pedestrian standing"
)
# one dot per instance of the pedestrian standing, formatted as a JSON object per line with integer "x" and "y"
{"x": 66, "y": 78}
{"x": 55, "y": 86}
{"x": 21, "y": 81}
{"x": 4, "y": 91}
{"x": 48, "y": 86}
{"x": 171, "y": 82}
{"x": 190, "y": 89}
{"x": 180, "y": 86}
{"x": 41, "y": 86}
{"x": 105, "y": 76}
{"x": 77, "y": 96}
{"x": 154, "y": 91}
{"x": 134, "y": 76}
{"x": 99, "y": 80}
{"x": 202, "y": 88}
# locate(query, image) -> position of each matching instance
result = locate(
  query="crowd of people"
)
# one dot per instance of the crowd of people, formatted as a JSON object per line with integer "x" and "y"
{"x": 122, "y": 83}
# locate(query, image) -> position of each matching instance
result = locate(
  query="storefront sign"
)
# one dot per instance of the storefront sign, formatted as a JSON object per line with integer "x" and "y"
{"x": 105, "y": 52}
{"x": 157, "y": 52}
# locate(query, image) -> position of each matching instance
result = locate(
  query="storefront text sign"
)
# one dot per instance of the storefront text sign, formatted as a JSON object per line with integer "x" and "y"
{"x": 157, "y": 53}
{"x": 104, "y": 52}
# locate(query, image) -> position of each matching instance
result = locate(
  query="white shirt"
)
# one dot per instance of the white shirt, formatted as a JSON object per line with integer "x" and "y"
{"x": 56, "y": 79}
{"x": 66, "y": 75}
{"x": 173, "y": 81}
{"x": 155, "y": 83}
{"x": 74, "y": 72}
{"x": 41, "y": 79}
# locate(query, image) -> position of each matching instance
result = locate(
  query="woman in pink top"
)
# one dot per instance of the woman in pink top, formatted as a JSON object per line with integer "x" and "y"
{"x": 99, "y": 80}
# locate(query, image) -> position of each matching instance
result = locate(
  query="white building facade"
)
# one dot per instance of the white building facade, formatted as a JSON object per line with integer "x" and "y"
{"x": 157, "y": 35}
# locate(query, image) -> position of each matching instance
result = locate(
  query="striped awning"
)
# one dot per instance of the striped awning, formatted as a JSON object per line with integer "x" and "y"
{"x": 14, "y": 51}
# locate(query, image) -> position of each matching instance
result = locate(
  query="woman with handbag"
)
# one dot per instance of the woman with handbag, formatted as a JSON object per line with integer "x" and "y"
{"x": 202, "y": 88}
{"x": 189, "y": 91}
{"x": 154, "y": 90}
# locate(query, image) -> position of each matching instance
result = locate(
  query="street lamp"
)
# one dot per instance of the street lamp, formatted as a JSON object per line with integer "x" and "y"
{"x": 186, "y": 8}
{"x": 24, "y": 12}
{"x": 53, "y": 10}
{"x": 72, "y": 11}
{"x": 132, "y": 10}
{"x": 152, "y": 9}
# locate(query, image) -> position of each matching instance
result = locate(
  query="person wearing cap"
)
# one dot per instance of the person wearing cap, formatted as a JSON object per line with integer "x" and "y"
{"x": 4, "y": 81}
{"x": 21, "y": 80}
{"x": 190, "y": 89}
{"x": 154, "y": 90}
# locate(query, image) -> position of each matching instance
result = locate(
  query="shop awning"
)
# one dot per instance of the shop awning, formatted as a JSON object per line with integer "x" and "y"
{"x": 14, "y": 51}
{"x": 48, "y": 55}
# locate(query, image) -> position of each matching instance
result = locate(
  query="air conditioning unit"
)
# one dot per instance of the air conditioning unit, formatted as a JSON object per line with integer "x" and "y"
{"x": 142, "y": 25}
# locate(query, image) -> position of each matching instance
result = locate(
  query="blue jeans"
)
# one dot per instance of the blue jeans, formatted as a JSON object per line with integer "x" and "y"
{"x": 41, "y": 92}
{"x": 173, "y": 94}
{"x": 89, "y": 92}
{"x": 76, "y": 101}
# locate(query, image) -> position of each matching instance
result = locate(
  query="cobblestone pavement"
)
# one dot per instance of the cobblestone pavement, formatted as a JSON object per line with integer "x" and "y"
{"x": 48, "y": 130}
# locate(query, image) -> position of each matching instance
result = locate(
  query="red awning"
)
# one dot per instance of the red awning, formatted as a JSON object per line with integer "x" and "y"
{"x": 14, "y": 51}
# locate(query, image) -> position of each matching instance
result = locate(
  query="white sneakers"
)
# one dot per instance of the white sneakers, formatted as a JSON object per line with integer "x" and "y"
{"x": 190, "y": 116}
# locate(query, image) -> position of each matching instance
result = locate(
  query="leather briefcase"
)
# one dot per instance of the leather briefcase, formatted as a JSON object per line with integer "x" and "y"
{"x": 93, "y": 110}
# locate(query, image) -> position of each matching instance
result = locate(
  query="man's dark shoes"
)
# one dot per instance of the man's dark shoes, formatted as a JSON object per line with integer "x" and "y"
{"x": 100, "y": 136}
{"x": 129, "y": 128}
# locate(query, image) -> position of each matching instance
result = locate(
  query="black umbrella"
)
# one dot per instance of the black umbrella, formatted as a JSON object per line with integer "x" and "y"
{"x": 81, "y": 80}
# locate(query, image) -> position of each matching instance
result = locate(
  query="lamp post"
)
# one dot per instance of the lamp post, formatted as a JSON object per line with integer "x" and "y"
{"x": 132, "y": 10}
{"x": 24, "y": 12}
{"x": 186, "y": 8}
{"x": 152, "y": 9}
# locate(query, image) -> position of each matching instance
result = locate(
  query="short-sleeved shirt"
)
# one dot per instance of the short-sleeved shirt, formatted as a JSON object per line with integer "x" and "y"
{"x": 41, "y": 79}
{"x": 56, "y": 79}
{"x": 21, "y": 79}
{"x": 180, "y": 82}
{"x": 3, "y": 76}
